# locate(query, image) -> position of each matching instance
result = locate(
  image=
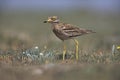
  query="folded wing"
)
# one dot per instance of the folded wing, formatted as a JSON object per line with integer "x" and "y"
{"x": 71, "y": 31}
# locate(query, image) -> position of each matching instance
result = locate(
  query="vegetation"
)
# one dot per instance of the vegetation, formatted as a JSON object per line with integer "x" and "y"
{"x": 35, "y": 56}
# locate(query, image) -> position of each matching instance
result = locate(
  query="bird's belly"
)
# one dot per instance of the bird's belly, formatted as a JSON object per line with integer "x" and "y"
{"x": 60, "y": 35}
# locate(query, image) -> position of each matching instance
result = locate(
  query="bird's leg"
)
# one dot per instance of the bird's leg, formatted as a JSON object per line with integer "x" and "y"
{"x": 76, "y": 49}
{"x": 64, "y": 51}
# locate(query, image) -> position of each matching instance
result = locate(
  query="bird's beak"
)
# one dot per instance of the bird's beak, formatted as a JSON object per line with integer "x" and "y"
{"x": 48, "y": 21}
{"x": 45, "y": 22}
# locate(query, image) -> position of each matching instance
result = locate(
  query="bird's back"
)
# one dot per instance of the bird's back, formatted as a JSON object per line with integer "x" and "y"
{"x": 66, "y": 31}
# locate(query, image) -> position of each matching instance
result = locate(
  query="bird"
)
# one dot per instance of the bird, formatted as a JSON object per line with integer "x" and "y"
{"x": 66, "y": 31}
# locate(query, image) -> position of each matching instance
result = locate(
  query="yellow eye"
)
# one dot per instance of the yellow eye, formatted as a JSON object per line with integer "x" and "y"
{"x": 53, "y": 18}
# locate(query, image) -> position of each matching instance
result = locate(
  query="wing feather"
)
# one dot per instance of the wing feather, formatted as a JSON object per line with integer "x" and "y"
{"x": 72, "y": 31}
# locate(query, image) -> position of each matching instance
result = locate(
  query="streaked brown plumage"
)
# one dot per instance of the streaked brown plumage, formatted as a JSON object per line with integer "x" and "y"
{"x": 66, "y": 31}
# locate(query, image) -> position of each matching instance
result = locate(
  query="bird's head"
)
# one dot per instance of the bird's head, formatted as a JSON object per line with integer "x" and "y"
{"x": 52, "y": 19}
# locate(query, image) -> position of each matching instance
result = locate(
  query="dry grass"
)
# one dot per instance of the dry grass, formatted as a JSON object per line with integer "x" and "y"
{"x": 58, "y": 71}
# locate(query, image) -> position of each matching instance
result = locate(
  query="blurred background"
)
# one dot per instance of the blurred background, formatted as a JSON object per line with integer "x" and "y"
{"x": 21, "y": 22}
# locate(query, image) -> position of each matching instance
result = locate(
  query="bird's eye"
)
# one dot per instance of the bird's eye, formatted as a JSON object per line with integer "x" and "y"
{"x": 53, "y": 19}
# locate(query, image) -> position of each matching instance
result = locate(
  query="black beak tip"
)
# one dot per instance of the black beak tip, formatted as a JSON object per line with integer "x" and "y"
{"x": 45, "y": 22}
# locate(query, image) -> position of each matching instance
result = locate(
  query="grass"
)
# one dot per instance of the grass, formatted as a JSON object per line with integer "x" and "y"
{"x": 66, "y": 72}
{"x": 37, "y": 64}
{"x": 35, "y": 56}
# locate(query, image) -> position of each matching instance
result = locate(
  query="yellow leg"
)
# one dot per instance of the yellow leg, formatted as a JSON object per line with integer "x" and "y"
{"x": 76, "y": 49}
{"x": 64, "y": 51}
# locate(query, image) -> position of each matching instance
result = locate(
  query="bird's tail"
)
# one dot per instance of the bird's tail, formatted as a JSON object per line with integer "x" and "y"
{"x": 89, "y": 31}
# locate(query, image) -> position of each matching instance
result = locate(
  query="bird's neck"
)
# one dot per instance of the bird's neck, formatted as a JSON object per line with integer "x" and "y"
{"x": 54, "y": 24}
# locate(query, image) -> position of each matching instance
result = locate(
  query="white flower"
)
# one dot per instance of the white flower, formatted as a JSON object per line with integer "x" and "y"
{"x": 23, "y": 52}
{"x": 36, "y": 47}
{"x": 41, "y": 54}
